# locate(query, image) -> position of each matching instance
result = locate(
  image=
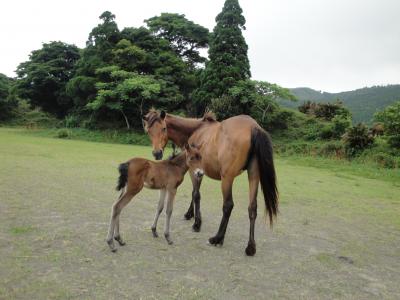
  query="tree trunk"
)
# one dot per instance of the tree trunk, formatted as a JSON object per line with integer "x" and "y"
{"x": 126, "y": 119}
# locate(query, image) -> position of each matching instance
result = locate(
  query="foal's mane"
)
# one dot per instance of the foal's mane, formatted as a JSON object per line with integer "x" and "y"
{"x": 177, "y": 159}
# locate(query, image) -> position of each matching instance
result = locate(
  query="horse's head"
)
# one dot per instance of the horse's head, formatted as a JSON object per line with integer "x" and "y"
{"x": 193, "y": 160}
{"x": 156, "y": 128}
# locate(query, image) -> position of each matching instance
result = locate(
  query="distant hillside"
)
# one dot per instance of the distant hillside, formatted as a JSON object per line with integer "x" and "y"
{"x": 363, "y": 103}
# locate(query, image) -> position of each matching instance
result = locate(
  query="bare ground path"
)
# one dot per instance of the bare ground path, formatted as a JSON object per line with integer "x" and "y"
{"x": 337, "y": 236}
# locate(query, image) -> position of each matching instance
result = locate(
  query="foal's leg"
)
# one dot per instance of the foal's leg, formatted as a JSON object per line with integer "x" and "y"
{"x": 196, "y": 198}
{"x": 123, "y": 200}
{"x": 170, "y": 203}
{"x": 158, "y": 212}
{"x": 226, "y": 209}
{"x": 254, "y": 179}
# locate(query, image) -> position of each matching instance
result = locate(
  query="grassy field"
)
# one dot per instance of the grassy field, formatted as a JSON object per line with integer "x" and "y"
{"x": 337, "y": 235}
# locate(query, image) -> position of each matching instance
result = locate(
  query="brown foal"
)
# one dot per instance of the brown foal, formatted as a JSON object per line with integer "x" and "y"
{"x": 165, "y": 176}
{"x": 227, "y": 149}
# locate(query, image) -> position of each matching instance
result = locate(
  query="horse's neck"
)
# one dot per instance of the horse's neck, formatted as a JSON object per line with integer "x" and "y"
{"x": 180, "y": 129}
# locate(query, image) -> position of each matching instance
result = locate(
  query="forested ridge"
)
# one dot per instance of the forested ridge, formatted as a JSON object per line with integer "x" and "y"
{"x": 362, "y": 103}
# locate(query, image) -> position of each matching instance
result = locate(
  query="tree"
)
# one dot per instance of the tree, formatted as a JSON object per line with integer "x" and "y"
{"x": 7, "y": 104}
{"x": 43, "y": 78}
{"x": 184, "y": 36}
{"x": 390, "y": 117}
{"x": 98, "y": 53}
{"x": 265, "y": 108}
{"x": 104, "y": 37}
{"x": 228, "y": 64}
{"x": 127, "y": 93}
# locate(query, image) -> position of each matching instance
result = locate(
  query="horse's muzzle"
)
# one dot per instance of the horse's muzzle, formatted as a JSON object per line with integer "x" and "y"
{"x": 198, "y": 173}
{"x": 158, "y": 154}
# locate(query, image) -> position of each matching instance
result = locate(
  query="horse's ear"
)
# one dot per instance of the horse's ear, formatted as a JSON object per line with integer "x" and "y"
{"x": 187, "y": 147}
{"x": 162, "y": 115}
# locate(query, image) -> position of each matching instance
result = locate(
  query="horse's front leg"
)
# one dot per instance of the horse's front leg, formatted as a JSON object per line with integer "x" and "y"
{"x": 190, "y": 212}
{"x": 227, "y": 207}
{"x": 196, "y": 181}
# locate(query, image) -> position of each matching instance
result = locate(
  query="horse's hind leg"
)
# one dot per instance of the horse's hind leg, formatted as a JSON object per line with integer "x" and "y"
{"x": 158, "y": 212}
{"x": 254, "y": 179}
{"x": 113, "y": 231}
{"x": 170, "y": 203}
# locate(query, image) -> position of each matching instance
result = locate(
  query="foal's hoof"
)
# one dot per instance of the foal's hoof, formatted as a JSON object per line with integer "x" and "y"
{"x": 196, "y": 227}
{"x": 112, "y": 246}
{"x": 251, "y": 249}
{"x": 189, "y": 214}
{"x": 169, "y": 241}
{"x": 216, "y": 240}
{"x": 154, "y": 231}
{"x": 119, "y": 240}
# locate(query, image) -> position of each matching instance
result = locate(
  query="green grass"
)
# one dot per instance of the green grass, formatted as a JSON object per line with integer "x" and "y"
{"x": 55, "y": 200}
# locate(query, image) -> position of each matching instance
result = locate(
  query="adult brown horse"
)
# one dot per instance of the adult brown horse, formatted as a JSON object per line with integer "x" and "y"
{"x": 227, "y": 148}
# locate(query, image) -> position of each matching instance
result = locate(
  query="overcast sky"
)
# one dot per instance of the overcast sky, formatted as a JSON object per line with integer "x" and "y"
{"x": 330, "y": 45}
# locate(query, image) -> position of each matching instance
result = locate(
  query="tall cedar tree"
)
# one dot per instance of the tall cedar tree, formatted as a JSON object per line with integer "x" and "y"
{"x": 228, "y": 64}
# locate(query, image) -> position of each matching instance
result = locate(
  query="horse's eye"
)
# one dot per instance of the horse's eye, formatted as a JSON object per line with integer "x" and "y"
{"x": 164, "y": 129}
{"x": 198, "y": 157}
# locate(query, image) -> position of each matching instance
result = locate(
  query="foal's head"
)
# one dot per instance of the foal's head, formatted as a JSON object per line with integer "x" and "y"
{"x": 193, "y": 160}
{"x": 155, "y": 126}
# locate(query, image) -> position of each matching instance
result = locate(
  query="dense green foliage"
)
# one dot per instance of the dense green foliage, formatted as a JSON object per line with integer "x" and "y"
{"x": 357, "y": 138}
{"x": 7, "y": 103}
{"x": 390, "y": 117}
{"x": 362, "y": 103}
{"x": 43, "y": 78}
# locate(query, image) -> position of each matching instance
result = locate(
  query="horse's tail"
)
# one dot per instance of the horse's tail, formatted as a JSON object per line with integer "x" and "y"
{"x": 261, "y": 146}
{"x": 123, "y": 176}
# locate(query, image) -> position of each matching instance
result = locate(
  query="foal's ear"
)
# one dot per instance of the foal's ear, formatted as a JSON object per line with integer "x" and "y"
{"x": 162, "y": 115}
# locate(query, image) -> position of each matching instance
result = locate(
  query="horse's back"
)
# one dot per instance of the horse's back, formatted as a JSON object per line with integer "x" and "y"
{"x": 227, "y": 145}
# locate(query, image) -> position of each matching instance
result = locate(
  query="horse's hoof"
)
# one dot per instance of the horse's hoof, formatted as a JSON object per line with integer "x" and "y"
{"x": 154, "y": 231}
{"x": 189, "y": 215}
{"x": 113, "y": 250}
{"x": 196, "y": 227}
{"x": 120, "y": 240}
{"x": 216, "y": 240}
{"x": 250, "y": 250}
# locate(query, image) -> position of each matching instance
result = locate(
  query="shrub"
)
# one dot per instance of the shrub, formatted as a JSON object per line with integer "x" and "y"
{"x": 71, "y": 121}
{"x": 385, "y": 160}
{"x": 326, "y": 111}
{"x": 390, "y": 117}
{"x": 340, "y": 124}
{"x": 357, "y": 138}
{"x": 63, "y": 134}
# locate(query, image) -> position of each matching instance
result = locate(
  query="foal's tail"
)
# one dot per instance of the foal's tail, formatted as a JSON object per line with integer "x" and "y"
{"x": 261, "y": 146}
{"x": 123, "y": 176}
